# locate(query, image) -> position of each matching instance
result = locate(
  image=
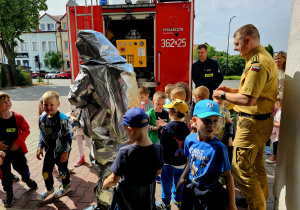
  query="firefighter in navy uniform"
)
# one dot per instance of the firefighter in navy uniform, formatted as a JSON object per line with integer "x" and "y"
{"x": 206, "y": 71}
{"x": 254, "y": 101}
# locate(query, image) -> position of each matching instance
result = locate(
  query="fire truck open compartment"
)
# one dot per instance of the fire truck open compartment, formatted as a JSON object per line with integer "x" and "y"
{"x": 155, "y": 37}
{"x": 120, "y": 27}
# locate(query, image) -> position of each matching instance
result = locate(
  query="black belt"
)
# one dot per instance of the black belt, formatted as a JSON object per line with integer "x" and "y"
{"x": 256, "y": 117}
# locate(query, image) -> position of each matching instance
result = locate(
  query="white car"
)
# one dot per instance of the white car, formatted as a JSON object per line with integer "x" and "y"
{"x": 51, "y": 76}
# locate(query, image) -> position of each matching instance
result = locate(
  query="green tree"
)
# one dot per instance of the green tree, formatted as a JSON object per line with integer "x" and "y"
{"x": 17, "y": 16}
{"x": 53, "y": 60}
{"x": 4, "y": 80}
{"x": 236, "y": 64}
{"x": 195, "y": 54}
{"x": 269, "y": 48}
{"x": 211, "y": 51}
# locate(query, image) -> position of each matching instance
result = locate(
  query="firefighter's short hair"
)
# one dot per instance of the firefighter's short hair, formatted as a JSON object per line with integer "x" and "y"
{"x": 159, "y": 95}
{"x": 202, "y": 46}
{"x": 247, "y": 30}
{"x": 143, "y": 90}
{"x": 202, "y": 92}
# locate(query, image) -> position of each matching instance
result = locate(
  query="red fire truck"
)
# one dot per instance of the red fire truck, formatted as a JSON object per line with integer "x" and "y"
{"x": 156, "y": 36}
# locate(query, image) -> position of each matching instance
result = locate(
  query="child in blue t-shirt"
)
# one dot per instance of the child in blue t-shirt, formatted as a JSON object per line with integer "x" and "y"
{"x": 207, "y": 159}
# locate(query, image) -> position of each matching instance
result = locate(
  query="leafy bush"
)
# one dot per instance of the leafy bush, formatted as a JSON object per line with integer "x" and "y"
{"x": 23, "y": 77}
{"x": 232, "y": 77}
{"x": 4, "y": 79}
{"x": 39, "y": 79}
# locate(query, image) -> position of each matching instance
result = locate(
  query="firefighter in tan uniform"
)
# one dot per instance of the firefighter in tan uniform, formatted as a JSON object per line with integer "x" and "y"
{"x": 254, "y": 101}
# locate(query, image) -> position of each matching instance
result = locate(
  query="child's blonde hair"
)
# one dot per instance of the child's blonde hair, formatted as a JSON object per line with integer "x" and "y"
{"x": 169, "y": 88}
{"x": 179, "y": 92}
{"x": 159, "y": 95}
{"x": 50, "y": 95}
{"x": 3, "y": 96}
{"x": 202, "y": 92}
{"x": 143, "y": 90}
{"x": 186, "y": 89}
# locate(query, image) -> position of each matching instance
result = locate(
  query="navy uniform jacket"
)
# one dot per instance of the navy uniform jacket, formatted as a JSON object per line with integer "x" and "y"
{"x": 208, "y": 74}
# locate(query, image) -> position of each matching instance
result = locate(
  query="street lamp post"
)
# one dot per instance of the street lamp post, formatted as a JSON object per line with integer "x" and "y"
{"x": 228, "y": 45}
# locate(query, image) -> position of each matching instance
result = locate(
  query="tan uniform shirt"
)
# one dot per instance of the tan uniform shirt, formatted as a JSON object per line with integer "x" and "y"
{"x": 259, "y": 80}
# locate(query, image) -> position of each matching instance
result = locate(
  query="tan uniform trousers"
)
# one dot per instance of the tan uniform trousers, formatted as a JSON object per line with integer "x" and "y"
{"x": 248, "y": 162}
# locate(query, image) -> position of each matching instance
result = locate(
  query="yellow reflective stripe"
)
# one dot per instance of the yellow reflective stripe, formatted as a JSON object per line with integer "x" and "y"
{"x": 209, "y": 75}
{"x": 10, "y": 130}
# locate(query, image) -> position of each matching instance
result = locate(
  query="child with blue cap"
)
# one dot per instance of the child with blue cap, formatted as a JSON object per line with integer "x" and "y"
{"x": 207, "y": 159}
{"x": 136, "y": 165}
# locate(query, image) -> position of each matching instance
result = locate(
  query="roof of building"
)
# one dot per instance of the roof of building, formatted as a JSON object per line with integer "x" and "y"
{"x": 57, "y": 18}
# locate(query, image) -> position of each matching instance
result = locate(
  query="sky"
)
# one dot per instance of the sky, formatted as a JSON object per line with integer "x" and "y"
{"x": 211, "y": 25}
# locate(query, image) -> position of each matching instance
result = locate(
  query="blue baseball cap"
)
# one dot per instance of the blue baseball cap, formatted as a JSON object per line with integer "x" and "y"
{"x": 206, "y": 108}
{"x": 135, "y": 117}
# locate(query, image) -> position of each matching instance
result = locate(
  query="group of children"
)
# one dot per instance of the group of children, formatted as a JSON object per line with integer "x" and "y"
{"x": 176, "y": 141}
{"x": 54, "y": 145}
{"x": 172, "y": 138}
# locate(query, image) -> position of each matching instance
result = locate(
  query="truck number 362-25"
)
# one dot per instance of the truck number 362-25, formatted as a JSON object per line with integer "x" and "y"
{"x": 173, "y": 42}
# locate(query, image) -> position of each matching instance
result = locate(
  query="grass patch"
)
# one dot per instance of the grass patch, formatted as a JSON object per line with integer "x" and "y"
{"x": 232, "y": 77}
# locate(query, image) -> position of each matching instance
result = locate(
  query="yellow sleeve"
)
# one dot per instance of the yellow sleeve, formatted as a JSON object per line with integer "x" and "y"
{"x": 255, "y": 80}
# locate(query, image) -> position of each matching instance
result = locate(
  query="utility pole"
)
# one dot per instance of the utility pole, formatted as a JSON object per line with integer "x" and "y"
{"x": 228, "y": 45}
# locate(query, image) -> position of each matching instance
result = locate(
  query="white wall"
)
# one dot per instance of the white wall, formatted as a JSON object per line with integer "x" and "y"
{"x": 287, "y": 177}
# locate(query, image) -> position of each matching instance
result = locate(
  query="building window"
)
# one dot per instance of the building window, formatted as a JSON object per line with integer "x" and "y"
{"x": 42, "y": 26}
{"x": 17, "y": 47}
{"x": 51, "y": 45}
{"x": 44, "y": 46}
{"x": 34, "y": 46}
{"x": 25, "y": 62}
{"x": 68, "y": 64}
{"x": 50, "y": 27}
{"x": 66, "y": 45}
{"x": 18, "y": 62}
{"x": 24, "y": 46}
{"x": 65, "y": 25}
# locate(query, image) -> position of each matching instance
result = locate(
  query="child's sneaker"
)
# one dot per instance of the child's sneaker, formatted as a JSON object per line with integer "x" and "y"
{"x": 30, "y": 183}
{"x": 80, "y": 161}
{"x": 162, "y": 206}
{"x": 45, "y": 194}
{"x": 268, "y": 151}
{"x": 177, "y": 203}
{"x": 62, "y": 191}
{"x": 9, "y": 200}
{"x": 15, "y": 178}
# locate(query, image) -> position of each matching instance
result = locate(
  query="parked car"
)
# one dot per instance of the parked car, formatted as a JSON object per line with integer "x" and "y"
{"x": 36, "y": 74}
{"x": 52, "y": 75}
{"x": 64, "y": 74}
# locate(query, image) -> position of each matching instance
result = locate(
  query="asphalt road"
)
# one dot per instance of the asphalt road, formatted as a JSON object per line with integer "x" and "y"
{"x": 62, "y": 86}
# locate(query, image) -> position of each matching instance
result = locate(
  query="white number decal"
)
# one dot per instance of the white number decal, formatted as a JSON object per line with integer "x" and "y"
{"x": 173, "y": 42}
{"x": 183, "y": 42}
{"x": 164, "y": 43}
